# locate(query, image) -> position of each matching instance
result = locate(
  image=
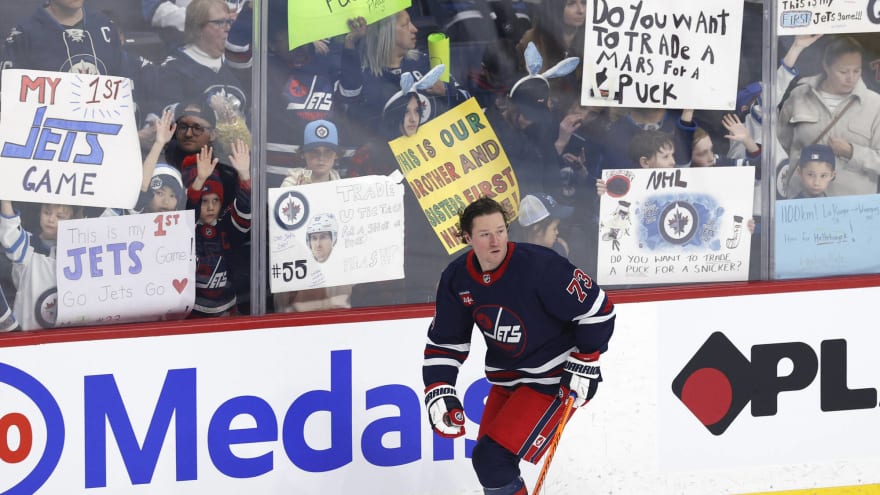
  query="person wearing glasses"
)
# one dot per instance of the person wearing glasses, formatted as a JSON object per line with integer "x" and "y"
{"x": 198, "y": 70}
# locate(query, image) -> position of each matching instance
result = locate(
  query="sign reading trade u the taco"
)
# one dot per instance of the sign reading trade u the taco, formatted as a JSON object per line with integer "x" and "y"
{"x": 452, "y": 161}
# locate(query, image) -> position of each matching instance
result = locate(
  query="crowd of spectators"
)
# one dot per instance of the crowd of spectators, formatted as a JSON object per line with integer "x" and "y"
{"x": 521, "y": 60}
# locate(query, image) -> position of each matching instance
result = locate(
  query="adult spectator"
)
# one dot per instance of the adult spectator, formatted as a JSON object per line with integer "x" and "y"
{"x": 371, "y": 75}
{"x": 558, "y": 33}
{"x": 835, "y": 108}
{"x": 198, "y": 70}
{"x": 65, "y": 36}
{"x": 526, "y": 128}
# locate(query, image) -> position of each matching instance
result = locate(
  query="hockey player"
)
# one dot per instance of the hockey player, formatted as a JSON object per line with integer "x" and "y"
{"x": 545, "y": 323}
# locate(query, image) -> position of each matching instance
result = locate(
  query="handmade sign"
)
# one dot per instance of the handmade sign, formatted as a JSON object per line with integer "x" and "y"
{"x": 126, "y": 268}
{"x": 69, "y": 138}
{"x": 662, "y": 54}
{"x": 335, "y": 233}
{"x": 451, "y": 161}
{"x": 661, "y": 225}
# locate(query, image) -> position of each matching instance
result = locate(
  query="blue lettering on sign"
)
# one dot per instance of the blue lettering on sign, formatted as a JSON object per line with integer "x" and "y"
{"x": 42, "y": 136}
{"x": 95, "y": 259}
{"x": 104, "y": 406}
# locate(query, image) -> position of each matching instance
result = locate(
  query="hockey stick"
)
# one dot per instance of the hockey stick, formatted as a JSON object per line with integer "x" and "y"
{"x": 568, "y": 407}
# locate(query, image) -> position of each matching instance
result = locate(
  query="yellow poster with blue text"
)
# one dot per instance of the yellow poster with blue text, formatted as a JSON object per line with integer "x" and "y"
{"x": 452, "y": 161}
{"x": 312, "y": 20}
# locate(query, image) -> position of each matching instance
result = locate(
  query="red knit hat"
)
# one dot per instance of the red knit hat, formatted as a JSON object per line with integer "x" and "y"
{"x": 213, "y": 186}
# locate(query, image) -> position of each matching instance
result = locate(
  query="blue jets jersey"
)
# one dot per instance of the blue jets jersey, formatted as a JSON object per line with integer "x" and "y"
{"x": 40, "y": 42}
{"x": 533, "y": 311}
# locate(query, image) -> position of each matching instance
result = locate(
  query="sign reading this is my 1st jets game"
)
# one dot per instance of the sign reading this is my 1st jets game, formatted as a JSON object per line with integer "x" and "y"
{"x": 827, "y": 16}
{"x": 127, "y": 268}
{"x": 341, "y": 232}
{"x": 662, "y": 54}
{"x": 450, "y": 162}
{"x": 68, "y": 139}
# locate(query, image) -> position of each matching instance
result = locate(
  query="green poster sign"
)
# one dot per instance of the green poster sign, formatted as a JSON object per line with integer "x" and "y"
{"x": 311, "y": 20}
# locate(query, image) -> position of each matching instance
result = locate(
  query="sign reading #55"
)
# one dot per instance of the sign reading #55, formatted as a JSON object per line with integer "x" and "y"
{"x": 68, "y": 138}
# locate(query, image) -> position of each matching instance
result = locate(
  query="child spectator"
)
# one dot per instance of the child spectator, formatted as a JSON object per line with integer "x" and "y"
{"x": 539, "y": 215}
{"x": 33, "y": 258}
{"x": 162, "y": 185}
{"x": 320, "y": 147}
{"x": 650, "y": 149}
{"x": 8, "y": 322}
{"x": 219, "y": 231}
{"x": 816, "y": 169}
{"x": 703, "y": 152}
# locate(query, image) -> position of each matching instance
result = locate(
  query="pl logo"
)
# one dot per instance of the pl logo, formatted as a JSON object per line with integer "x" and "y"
{"x": 719, "y": 381}
{"x": 28, "y": 454}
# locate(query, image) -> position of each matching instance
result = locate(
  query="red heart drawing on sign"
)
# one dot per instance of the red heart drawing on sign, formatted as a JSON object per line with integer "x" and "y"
{"x": 179, "y": 285}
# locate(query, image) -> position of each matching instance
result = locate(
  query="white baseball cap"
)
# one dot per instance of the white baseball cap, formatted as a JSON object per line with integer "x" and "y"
{"x": 535, "y": 207}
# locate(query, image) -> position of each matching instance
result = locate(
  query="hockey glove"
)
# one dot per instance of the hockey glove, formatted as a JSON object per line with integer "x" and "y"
{"x": 444, "y": 410}
{"x": 580, "y": 377}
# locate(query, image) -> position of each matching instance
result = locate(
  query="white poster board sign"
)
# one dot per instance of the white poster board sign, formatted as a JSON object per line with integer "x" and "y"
{"x": 126, "y": 268}
{"x": 663, "y": 226}
{"x": 68, "y": 138}
{"x": 364, "y": 218}
{"x": 826, "y": 16}
{"x": 662, "y": 54}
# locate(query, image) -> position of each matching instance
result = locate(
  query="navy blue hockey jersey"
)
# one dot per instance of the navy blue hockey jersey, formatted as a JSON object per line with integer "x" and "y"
{"x": 40, "y": 42}
{"x": 533, "y": 311}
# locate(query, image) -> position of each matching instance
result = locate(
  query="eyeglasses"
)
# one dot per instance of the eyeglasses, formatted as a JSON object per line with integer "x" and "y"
{"x": 221, "y": 22}
{"x": 196, "y": 129}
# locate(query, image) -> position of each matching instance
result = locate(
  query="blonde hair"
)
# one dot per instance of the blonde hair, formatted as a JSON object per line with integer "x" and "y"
{"x": 378, "y": 46}
{"x": 198, "y": 13}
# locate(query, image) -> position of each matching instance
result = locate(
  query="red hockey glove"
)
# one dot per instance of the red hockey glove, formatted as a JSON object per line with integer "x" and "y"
{"x": 580, "y": 377}
{"x": 444, "y": 410}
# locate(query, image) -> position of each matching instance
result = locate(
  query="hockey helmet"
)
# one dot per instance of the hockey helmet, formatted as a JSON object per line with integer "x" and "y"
{"x": 322, "y": 222}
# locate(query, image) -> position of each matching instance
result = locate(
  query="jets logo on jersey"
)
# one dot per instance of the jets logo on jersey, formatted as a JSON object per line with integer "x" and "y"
{"x": 503, "y": 326}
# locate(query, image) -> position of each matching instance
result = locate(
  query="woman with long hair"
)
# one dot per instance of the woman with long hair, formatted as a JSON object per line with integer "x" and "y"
{"x": 836, "y": 109}
{"x": 374, "y": 58}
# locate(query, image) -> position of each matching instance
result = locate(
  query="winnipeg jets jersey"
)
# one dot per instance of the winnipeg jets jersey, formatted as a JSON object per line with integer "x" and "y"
{"x": 533, "y": 311}
{"x": 40, "y": 42}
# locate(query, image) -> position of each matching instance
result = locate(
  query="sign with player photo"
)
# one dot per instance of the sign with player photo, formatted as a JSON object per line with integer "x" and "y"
{"x": 125, "y": 269}
{"x": 450, "y": 162}
{"x": 826, "y": 17}
{"x": 335, "y": 233}
{"x": 681, "y": 225}
{"x": 69, "y": 138}
{"x": 662, "y": 54}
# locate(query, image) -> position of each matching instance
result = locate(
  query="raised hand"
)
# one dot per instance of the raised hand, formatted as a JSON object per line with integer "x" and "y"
{"x": 204, "y": 163}
{"x": 165, "y": 127}
{"x": 240, "y": 159}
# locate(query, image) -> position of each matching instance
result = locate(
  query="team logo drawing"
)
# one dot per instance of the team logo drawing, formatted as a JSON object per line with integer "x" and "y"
{"x": 291, "y": 210}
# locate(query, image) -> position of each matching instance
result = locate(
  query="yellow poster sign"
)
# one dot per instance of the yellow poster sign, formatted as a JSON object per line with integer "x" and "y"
{"x": 452, "y": 161}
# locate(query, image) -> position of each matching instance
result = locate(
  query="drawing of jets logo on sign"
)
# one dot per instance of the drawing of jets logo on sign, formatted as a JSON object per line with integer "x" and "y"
{"x": 291, "y": 210}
